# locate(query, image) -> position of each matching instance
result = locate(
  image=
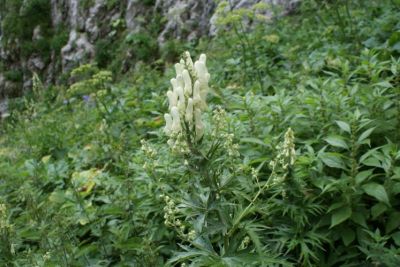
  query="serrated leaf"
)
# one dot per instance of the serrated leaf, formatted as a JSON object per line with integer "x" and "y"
{"x": 337, "y": 141}
{"x": 340, "y": 215}
{"x": 365, "y": 135}
{"x": 377, "y": 191}
{"x": 344, "y": 126}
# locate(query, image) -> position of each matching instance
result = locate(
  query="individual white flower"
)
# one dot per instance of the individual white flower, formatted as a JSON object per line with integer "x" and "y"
{"x": 176, "y": 122}
{"x": 201, "y": 71}
{"x": 192, "y": 235}
{"x": 188, "y": 83}
{"x": 172, "y": 99}
{"x": 189, "y": 111}
{"x": 174, "y": 84}
{"x": 179, "y": 68}
{"x": 181, "y": 99}
{"x": 196, "y": 94}
{"x": 180, "y": 81}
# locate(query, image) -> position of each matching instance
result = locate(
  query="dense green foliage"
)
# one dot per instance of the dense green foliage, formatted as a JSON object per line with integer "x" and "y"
{"x": 87, "y": 177}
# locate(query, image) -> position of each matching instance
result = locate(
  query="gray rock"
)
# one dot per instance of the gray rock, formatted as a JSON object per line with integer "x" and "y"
{"x": 4, "y": 108}
{"x": 37, "y": 33}
{"x": 94, "y": 17}
{"x": 35, "y": 63}
{"x": 185, "y": 20}
{"x": 2, "y": 85}
{"x": 132, "y": 12}
{"x": 78, "y": 50}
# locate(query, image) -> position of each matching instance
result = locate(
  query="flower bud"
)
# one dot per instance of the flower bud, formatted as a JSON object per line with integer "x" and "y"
{"x": 188, "y": 59}
{"x": 188, "y": 83}
{"x": 198, "y": 124}
{"x": 203, "y": 58}
{"x": 179, "y": 68}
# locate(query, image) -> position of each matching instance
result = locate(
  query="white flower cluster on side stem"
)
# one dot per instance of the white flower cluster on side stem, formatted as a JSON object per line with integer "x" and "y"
{"x": 187, "y": 99}
{"x": 286, "y": 157}
{"x": 170, "y": 215}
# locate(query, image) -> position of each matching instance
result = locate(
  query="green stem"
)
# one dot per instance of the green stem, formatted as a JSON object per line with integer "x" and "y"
{"x": 252, "y": 202}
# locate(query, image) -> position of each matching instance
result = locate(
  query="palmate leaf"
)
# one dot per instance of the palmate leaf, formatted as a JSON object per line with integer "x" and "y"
{"x": 198, "y": 257}
{"x": 188, "y": 255}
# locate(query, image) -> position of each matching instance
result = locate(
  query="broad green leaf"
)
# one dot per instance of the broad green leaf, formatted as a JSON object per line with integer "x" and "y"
{"x": 396, "y": 173}
{"x": 348, "y": 235}
{"x": 344, "y": 126}
{"x": 378, "y": 209}
{"x": 361, "y": 176}
{"x": 340, "y": 215}
{"x": 372, "y": 162}
{"x": 396, "y": 238}
{"x": 359, "y": 218}
{"x": 368, "y": 154}
{"x": 253, "y": 140}
{"x": 337, "y": 141}
{"x": 365, "y": 135}
{"x": 393, "y": 221}
{"x": 335, "y": 206}
{"x": 332, "y": 160}
{"x": 377, "y": 191}
{"x": 395, "y": 189}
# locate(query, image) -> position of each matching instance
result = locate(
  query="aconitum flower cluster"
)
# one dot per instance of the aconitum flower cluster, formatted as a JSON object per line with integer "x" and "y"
{"x": 187, "y": 99}
{"x": 285, "y": 159}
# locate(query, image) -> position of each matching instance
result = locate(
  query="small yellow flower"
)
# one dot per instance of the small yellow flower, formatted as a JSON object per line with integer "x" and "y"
{"x": 272, "y": 38}
{"x": 46, "y": 159}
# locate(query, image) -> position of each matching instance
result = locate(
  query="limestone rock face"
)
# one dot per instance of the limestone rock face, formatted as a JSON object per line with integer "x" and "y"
{"x": 77, "y": 50}
{"x": 88, "y": 21}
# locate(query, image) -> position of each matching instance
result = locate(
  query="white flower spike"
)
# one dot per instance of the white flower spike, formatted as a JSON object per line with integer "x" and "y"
{"x": 187, "y": 99}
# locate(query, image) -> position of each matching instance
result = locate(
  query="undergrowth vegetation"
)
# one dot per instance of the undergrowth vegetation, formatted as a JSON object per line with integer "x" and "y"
{"x": 280, "y": 146}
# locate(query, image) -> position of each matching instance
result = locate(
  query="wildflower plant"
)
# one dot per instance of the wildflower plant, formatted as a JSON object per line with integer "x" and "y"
{"x": 206, "y": 210}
